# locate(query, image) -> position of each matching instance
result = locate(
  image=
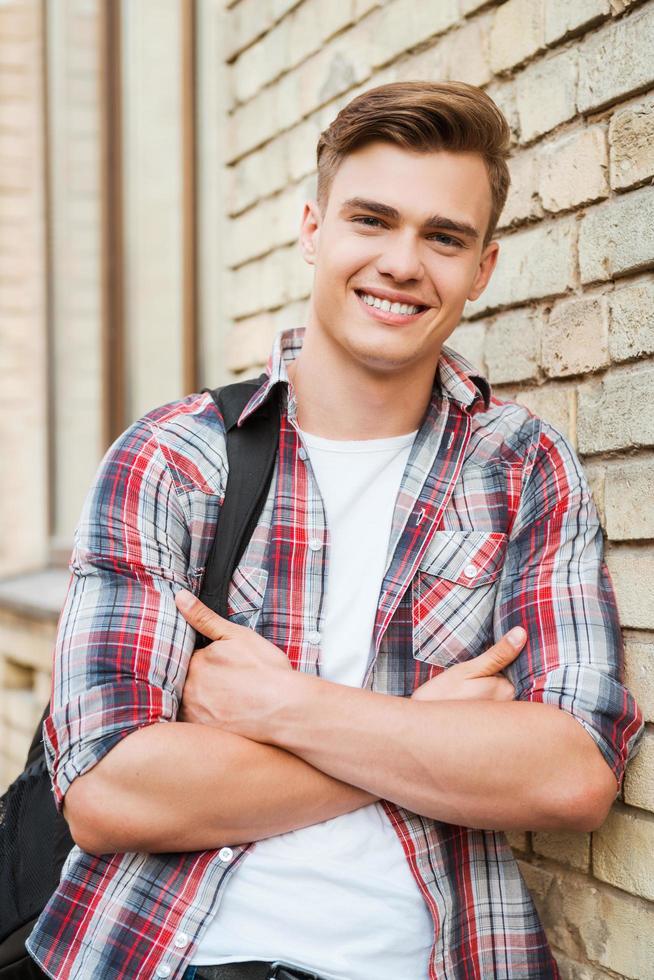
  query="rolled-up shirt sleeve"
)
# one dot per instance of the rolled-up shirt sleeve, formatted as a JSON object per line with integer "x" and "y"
{"x": 556, "y": 585}
{"x": 122, "y": 649}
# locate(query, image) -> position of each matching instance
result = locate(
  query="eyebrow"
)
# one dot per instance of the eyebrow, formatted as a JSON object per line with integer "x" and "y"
{"x": 435, "y": 221}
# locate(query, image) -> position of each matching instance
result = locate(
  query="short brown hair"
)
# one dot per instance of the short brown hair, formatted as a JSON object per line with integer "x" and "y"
{"x": 421, "y": 116}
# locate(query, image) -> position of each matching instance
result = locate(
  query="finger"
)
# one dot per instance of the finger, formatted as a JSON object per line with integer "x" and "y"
{"x": 499, "y": 655}
{"x": 201, "y": 618}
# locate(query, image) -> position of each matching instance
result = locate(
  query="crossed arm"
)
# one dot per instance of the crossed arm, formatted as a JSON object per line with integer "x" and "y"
{"x": 261, "y": 749}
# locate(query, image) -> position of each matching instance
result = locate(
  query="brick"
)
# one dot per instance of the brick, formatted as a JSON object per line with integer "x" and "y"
{"x": 20, "y": 21}
{"x": 546, "y": 94}
{"x": 563, "y": 18}
{"x": 631, "y": 137}
{"x": 301, "y": 143}
{"x": 263, "y": 61}
{"x": 639, "y": 674}
{"x": 294, "y": 314}
{"x": 248, "y": 342}
{"x": 267, "y": 225}
{"x": 344, "y": 62}
{"x": 14, "y": 676}
{"x": 260, "y": 119}
{"x": 617, "y": 237}
{"x": 532, "y": 263}
{"x": 631, "y": 320}
{"x": 503, "y": 93}
{"x": 616, "y": 61}
{"x": 632, "y": 572}
{"x": 402, "y": 24}
{"x": 595, "y": 471}
{"x": 469, "y": 6}
{"x": 15, "y": 86}
{"x": 523, "y": 201}
{"x": 17, "y": 745}
{"x": 590, "y": 921}
{"x": 518, "y": 31}
{"x": 552, "y": 403}
{"x": 362, "y": 7}
{"x": 467, "y": 54}
{"x": 513, "y": 347}
{"x": 244, "y": 22}
{"x": 639, "y": 777}
{"x": 573, "y": 170}
{"x": 468, "y": 339}
{"x": 258, "y": 175}
{"x": 575, "y": 338}
{"x": 19, "y": 708}
{"x": 628, "y": 486}
{"x": 611, "y": 412}
{"x": 573, "y": 970}
{"x": 279, "y": 278}
{"x": 42, "y": 687}
{"x": 623, "y": 851}
{"x": 433, "y": 62}
{"x": 332, "y": 18}
{"x": 518, "y": 840}
{"x": 566, "y": 848}
{"x": 20, "y": 54}
{"x": 290, "y": 42}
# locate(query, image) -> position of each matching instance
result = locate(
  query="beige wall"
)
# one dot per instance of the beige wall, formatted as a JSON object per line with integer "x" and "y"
{"x": 23, "y": 263}
{"x": 566, "y": 326}
{"x": 72, "y": 58}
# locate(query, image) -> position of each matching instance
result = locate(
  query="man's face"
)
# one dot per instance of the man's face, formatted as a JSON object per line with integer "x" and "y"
{"x": 398, "y": 222}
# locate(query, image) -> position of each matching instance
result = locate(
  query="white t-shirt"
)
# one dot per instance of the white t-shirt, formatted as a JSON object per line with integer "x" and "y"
{"x": 337, "y": 898}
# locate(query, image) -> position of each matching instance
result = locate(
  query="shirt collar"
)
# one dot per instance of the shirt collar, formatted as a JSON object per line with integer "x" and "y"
{"x": 458, "y": 379}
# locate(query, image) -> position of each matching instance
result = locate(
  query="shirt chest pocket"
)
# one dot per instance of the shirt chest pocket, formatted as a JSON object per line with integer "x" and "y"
{"x": 453, "y": 596}
{"x": 245, "y": 595}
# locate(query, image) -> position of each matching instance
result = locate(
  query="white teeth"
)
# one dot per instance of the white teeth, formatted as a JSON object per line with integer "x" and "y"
{"x": 387, "y": 306}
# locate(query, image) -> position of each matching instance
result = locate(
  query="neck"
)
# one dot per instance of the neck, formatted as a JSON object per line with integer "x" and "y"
{"x": 338, "y": 398}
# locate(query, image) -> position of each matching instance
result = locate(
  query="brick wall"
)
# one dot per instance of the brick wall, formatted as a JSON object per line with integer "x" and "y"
{"x": 566, "y": 326}
{"x": 23, "y": 489}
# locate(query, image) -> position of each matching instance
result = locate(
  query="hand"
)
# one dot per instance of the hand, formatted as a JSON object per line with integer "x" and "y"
{"x": 233, "y": 682}
{"x": 479, "y": 679}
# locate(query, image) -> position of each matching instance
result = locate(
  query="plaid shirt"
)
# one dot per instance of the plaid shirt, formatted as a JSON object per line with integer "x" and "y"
{"x": 494, "y": 526}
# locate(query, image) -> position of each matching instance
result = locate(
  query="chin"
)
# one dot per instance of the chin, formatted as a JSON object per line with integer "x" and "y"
{"x": 382, "y": 358}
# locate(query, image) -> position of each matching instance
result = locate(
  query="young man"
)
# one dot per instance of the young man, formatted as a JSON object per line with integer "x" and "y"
{"x": 423, "y": 648}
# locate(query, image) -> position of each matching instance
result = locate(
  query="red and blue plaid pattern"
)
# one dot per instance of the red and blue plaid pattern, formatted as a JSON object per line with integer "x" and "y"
{"x": 494, "y": 527}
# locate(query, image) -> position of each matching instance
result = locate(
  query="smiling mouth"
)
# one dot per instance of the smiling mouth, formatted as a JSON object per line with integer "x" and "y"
{"x": 397, "y": 314}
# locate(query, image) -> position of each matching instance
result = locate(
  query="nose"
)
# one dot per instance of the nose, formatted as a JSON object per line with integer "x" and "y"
{"x": 401, "y": 257}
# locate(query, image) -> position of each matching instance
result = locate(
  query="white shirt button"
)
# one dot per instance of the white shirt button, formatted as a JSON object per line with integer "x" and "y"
{"x": 225, "y": 854}
{"x": 315, "y": 544}
{"x": 302, "y": 453}
{"x": 181, "y": 940}
{"x": 470, "y": 571}
{"x": 163, "y": 970}
{"x": 313, "y": 636}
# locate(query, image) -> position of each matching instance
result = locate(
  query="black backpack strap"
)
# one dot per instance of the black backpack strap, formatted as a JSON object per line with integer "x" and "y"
{"x": 251, "y": 454}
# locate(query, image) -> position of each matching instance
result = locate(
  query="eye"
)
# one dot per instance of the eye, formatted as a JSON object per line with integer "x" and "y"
{"x": 365, "y": 218}
{"x": 447, "y": 240}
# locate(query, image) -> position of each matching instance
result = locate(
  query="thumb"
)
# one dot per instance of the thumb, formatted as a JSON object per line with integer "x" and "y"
{"x": 201, "y": 618}
{"x": 499, "y": 655}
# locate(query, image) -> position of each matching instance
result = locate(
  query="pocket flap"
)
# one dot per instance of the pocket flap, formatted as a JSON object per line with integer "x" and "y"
{"x": 466, "y": 557}
{"x": 246, "y": 589}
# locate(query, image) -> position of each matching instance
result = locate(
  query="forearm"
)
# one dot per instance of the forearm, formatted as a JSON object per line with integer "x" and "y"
{"x": 481, "y": 764}
{"x": 187, "y": 787}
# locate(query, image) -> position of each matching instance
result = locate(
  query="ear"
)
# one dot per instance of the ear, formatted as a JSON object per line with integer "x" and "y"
{"x": 310, "y": 231}
{"x": 487, "y": 263}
